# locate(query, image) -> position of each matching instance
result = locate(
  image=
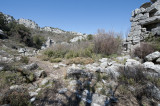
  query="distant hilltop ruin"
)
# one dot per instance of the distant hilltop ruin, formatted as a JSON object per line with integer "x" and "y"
{"x": 144, "y": 21}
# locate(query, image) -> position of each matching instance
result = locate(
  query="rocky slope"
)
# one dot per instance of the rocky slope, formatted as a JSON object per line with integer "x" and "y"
{"x": 48, "y": 78}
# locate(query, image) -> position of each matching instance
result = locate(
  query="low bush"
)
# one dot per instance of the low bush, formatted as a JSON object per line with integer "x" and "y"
{"x": 24, "y": 59}
{"x": 43, "y": 57}
{"x": 55, "y": 60}
{"x": 16, "y": 97}
{"x": 38, "y": 41}
{"x": 133, "y": 75}
{"x": 48, "y": 96}
{"x": 144, "y": 49}
{"x": 90, "y": 37}
{"x": 9, "y": 78}
{"x": 107, "y": 43}
{"x": 80, "y": 60}
{"x": 81, "y": 49}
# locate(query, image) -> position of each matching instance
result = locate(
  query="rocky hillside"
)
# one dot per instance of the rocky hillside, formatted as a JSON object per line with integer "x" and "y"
{"x": 51, "y": 67}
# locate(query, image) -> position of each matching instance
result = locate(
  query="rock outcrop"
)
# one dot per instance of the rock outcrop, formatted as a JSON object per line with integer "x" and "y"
{"x": 145, "y": 21}
{"x": 79, "y": 38}
{"x": 48, "y": 43}
{"x": 28, "y": 23}
{"x": 51, "y": 29}
{"x": 9, "y": 18}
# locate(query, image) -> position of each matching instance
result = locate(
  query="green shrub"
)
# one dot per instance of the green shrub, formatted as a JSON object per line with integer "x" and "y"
{"x": 86, "y": 52}
{"x": 38, "y": 41}
{"x": 55, "y": 60}
{"x": 44, "y": 57}
{"x": 103, "y": 91}
{"x": 24, "y": 59}
{"x": 49, "y": 53}
{"x": 132, "y": 75}
{"x": 18, "y": 97}
{"x": 90, "y": 37}
{"x": 3, "y": 22}
{"x": 71, "y": 54}
{"x": 55, "y": 53}
{"x": 99, "y": 77}
{"x": 80, "y": 60}
{"x": 9, "y": 78}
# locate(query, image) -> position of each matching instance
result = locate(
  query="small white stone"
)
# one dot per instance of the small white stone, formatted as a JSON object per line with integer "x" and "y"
{"x": 33, "y": 99}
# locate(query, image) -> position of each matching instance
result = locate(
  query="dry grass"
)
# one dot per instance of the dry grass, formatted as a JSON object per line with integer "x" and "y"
{"x": 80, "y": 60}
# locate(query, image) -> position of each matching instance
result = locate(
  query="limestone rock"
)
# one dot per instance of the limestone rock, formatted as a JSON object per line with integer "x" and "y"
{"x": 9, "y": 18}
{"x": 63, "y": 90}
{"x": 44, "y": 82}
{"x": 1, "y": 32}
{"x": 16, "y": 87}
{"x": 22, "y": 50}
{"x": 75, "y": 71}
{"x": 33, "y": 94}
{"x": 92, "y": 67}
{"x": 113, "y": 71}
{"x": 40, "y": 74}
{"x": 51, "y": 29}
{"x": 103, "y": 60}
{"x": 132, "y": 62}
{"x": 48, "y": 43}
{"x": 32, "y": 99}
{"x": 31, "y": 66}
{"x": 153, "y": 91}
{"x": 98, "y": 100}
{"x": 28, "y": 23}
{"x": 158, "y": 60}
{"x": 145, "y": 20}
{"x": 152, "y": 66}
{"x": 153, "y": 56}
{"x": 79, "y": 38}
{"x": 1, "y": 68}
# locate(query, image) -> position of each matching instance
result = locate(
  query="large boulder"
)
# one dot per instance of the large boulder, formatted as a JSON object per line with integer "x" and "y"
{"x": 158, "y": 60}
{"x": 75, "y": 71}
{"x": 152, "y": 66}
{"x": 113, "y": 71}
{"x": 153, "y": 91}
{"x": 93, "y": 67}
{"x": 153, "y": 56}
{"x": 132, "y": 63}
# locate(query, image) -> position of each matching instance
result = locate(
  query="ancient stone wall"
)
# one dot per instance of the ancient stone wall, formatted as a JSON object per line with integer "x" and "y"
{"x": 144, "y": 21}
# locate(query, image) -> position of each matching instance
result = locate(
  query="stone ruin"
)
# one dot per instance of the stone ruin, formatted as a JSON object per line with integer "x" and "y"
{"x": 144, "y": 21}
{"x": 48, "y": 43}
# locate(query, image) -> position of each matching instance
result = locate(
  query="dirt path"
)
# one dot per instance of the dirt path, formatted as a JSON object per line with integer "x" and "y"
{"x": 49, "y": 69}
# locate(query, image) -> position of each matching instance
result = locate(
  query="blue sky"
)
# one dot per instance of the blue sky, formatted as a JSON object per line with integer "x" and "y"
{"x": 84, "y": 16}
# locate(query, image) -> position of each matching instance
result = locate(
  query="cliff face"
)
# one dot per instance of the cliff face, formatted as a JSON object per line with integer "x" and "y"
{"x": 144, "y": 21}
{"x": 28, "y": 23}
